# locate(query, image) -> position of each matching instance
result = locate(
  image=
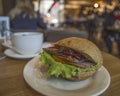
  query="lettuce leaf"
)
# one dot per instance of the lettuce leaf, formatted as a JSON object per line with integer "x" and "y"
{"x": 64, "y": 70}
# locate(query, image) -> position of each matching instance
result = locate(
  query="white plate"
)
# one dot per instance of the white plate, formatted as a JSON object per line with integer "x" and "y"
{"x": 13, "y": 54}
{"x": 93, "y": 86}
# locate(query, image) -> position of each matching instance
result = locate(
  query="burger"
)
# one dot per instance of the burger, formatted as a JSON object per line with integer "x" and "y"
{"x": 72, "y": 59}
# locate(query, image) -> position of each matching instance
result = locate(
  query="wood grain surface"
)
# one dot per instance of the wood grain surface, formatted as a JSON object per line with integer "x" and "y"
{"x": 12, "y": 82}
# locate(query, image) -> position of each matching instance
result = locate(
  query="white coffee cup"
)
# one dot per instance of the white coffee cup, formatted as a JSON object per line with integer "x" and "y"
{"x": 27, "y": 43}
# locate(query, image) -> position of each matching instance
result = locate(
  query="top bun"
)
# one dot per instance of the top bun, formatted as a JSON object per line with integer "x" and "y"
{"x": 84, "y": 46}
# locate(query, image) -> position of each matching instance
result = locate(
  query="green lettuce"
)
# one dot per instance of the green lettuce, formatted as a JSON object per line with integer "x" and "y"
{"x": 64, "y": 70}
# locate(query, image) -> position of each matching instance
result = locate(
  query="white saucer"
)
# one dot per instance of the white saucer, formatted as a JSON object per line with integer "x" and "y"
{"x": 45, "y": 44}
{"x": 13, "y": 54}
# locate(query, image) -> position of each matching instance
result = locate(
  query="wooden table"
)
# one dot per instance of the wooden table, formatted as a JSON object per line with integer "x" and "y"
{"x": 12, "y": 82}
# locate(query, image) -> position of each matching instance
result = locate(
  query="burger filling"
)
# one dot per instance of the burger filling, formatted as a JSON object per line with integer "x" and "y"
{"x": 66, "y": 62}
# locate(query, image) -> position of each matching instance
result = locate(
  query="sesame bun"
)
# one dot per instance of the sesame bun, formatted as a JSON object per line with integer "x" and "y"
{"x": 86, "y": 48}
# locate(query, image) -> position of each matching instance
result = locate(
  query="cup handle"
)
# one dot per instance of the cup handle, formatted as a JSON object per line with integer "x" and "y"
{"x": 7, "y": 44}
{"x": 7, "y": 38}
{"x": 12, "y": 48}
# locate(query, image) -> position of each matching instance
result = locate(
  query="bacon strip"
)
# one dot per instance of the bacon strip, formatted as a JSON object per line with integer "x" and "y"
{"x": 69, "y": 56}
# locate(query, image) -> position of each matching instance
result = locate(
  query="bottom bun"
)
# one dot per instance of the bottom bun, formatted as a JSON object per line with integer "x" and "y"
{"x": 83, "y": 76}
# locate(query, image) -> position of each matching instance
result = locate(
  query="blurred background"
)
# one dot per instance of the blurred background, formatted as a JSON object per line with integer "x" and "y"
{"x": 96, "y": 20}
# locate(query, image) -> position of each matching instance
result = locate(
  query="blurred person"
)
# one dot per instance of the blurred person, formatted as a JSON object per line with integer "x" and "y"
{"x": 117, "y": 26}
{"x": 108, "y": 35}
{"x": 24, "y": 17}
{"x": 68, "y": 20}
{"x": 90, "y": 24}
{"x": 116, "y": 17}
